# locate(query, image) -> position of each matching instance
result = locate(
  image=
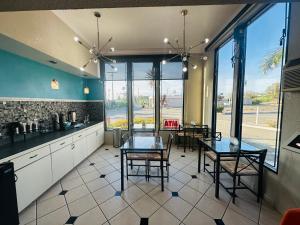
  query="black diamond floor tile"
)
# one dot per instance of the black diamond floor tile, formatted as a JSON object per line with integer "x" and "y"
{"x": 92, "y": 164}
{"x": 63, "y": 192}
{"x": 106, "y": 149}
{"x": 118, "y": 193}
{"x": 219, "y": 222}
{"x": 194, "y": 176}
{"x": 116, "y": 155}
{"x": 175, "y": 194}
{"x": 182, "y": 155}
{"x": 144, "y": 221}
{"x": 102, "y": 176}
{"x": 71, "y": 220}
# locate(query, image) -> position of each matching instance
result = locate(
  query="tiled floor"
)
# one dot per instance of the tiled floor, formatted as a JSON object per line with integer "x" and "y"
{"x": 89, "y": 195}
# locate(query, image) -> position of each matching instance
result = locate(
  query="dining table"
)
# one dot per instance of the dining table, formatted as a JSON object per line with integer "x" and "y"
{"x": 222, "y": 148}
{"x": 140, "y": 145}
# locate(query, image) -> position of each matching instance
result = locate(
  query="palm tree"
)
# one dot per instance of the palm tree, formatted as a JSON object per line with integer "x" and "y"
{"x": 271, "y": 61}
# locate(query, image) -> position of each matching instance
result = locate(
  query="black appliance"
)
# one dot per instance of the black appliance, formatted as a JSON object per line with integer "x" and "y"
{"x": 8, "y": 206}
{"x": 62, "y": 120}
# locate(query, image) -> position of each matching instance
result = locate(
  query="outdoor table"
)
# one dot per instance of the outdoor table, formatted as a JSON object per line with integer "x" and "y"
{"x": 222, "y": 148}
{"x": 139, "y": 144}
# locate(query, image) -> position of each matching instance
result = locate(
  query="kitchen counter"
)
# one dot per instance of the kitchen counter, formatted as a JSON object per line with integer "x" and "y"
{"x": 18, "y": 147}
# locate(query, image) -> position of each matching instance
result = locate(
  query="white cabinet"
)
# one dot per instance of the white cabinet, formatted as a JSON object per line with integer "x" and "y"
{"x": 79, "y": 151}
{"x": 62, "y": 162}
{"x": 39, "y": 168}
{"x": 32, "y": 181}
{"x": 91, "y": 142}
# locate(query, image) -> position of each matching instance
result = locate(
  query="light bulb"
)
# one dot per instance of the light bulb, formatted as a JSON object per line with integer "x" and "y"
{"x": 166, "y": 40}
{"x": 91, "y": 51}
{"x": 114, "y": 61}
{"x": 184, "y": 59}
{"x": 195, "y": 67}
{"x": 205, "y": 58}
{"x": 95, "y": 60}
{"x": 164, "y": 62}
{"x": 76, "y": 39}
{"x": 82, "y": 68}
{"x": 206, "y": 40}
{"x": 115, "y": 69}
{"x": 86, "y": 90}
{"x": 184, "y": 69}
{"x": 112, "y": 49}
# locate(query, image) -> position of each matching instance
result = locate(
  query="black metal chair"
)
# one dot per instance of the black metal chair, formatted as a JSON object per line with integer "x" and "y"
{"x": 247, "y": 163}
{"x": 134, "y": 157}
{"x": 212, "y": 156}
{"x": 157, "y": 157}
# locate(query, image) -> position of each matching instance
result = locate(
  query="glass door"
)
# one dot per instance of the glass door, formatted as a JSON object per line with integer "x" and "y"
{"x": 224, "y": 89}
{"x": 143, "y": 96}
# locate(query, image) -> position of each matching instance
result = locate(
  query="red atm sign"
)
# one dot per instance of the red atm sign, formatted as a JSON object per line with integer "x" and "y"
{"x": 171, "y": 123}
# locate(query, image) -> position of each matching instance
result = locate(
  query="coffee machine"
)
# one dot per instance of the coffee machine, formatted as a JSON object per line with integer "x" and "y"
{"x": 72, "y": 117}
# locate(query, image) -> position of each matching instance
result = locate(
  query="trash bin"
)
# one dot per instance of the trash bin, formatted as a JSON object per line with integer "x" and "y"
{"x": 117, "y": 137}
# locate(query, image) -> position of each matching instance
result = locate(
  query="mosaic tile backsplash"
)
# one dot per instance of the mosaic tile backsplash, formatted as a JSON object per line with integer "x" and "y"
{"x": 20, "y": 111}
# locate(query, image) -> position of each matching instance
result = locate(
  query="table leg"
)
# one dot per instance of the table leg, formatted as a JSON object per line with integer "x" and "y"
{"x": 122, "y": 171}
{"x": 162, "y": 170}
{"x": 199, "y": 156}
{"x": 217, "y": 176}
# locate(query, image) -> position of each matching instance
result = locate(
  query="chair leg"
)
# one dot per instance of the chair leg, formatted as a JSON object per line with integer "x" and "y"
{"x": 131, "y": 165}
{"x": 204, "y": 169}
{"x": 127, "y": 169}
{"x": 214, "y": 177}
{"x": 239, "y": 180}
{"x": 168, "y": 171}
{"x": 233, "y": 190}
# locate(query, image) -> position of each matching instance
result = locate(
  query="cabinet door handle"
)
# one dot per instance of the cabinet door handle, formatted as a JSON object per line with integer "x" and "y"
{"x": 62, "y": 143}
{"x": 79, "y": 135}
{"x": 31, "y": 157}
{"x": 73, "y": 146}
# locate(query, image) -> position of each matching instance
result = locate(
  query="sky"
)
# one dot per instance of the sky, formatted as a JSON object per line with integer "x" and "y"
{"x": 263, "y": 37}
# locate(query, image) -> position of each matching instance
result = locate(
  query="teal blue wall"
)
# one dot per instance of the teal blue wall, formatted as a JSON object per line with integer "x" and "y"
{"x": 96, "y": 90}
{"x": 22, "y": 77}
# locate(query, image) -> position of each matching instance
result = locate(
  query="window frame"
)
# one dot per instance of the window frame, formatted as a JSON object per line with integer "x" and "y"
{"x": 239, "y": 108}
{"x": 129, "y": 60}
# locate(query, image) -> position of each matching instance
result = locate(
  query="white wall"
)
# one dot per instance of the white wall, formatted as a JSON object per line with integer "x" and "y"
{"x": 208, "y": 76}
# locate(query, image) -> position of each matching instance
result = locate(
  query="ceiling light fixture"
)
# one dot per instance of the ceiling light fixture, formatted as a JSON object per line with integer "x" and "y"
{"x": 184, "y": 51}
{"x": 97, "y": 51}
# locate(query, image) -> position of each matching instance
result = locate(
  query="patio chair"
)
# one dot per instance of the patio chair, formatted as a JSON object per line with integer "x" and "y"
{"x": 244, "y": 168}
{"x": 155, "y": 157}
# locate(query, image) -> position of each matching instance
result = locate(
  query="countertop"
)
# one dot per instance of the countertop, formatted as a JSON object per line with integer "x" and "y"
{"x": 18, "y": 147}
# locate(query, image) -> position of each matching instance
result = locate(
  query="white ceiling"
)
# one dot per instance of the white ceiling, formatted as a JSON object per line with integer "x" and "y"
{"x": 142, "y": 30}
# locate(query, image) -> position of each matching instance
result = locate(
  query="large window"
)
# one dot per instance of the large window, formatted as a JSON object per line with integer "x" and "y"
{"x": 143, "y": 96}
{"x": 257, "y": 112}
{"x": 116, "y": 105}
{"x": 140, "y": 91}
{"x": 224, "y": 89}
{"x": 262, "y": 98}
{"x": 171, "y": 95}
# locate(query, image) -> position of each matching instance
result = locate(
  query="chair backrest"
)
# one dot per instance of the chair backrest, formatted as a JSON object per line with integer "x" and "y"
{"x": 291, "y": 217}
{"x": 213, "y": 136}
{"x": 251, "y": 158}
{"x": 124, "y": 138}
{"x": 169, "y": 144}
